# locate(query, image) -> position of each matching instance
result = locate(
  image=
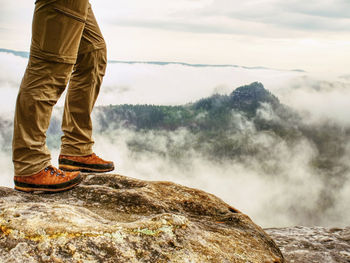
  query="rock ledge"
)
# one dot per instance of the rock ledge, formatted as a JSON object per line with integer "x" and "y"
{"x": 113, "y": 218}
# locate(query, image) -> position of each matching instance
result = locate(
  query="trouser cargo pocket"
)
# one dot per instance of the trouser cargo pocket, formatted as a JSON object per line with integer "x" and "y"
{"x": 57, "y": 30}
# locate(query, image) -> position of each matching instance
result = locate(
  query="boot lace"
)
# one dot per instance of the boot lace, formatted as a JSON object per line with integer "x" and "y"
{"x": 54, "y": 170}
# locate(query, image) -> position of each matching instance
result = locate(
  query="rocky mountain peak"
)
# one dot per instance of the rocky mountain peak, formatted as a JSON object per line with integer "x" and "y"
{"x": 255, "y": 89}
{"x": 249, "y": 97}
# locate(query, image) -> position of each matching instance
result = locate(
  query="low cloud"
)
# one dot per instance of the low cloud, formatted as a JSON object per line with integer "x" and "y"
{"x": 276, "y": 185}
{"x": 177, "y": 84}
{"x": 318, "y": 100}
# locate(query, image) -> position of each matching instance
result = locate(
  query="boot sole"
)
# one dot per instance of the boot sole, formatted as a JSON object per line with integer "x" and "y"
{"x": 71, "y": 168}
{"x": 29, "y": 188}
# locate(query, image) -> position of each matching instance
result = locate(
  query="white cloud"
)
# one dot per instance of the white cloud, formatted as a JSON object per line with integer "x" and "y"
{"x": 242, "y": 184}
{"x": 176, "y": 84}
{"x": 285, "y": 197}
{"x": 318, "y": 100}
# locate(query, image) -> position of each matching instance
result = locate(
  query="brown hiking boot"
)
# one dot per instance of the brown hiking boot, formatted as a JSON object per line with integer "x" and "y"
{"x": 89, "y": 163}
{"x": 49, "y": 179}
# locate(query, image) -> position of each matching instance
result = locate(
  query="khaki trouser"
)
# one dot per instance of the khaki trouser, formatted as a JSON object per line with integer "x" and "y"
{"x": 67, "y": 46}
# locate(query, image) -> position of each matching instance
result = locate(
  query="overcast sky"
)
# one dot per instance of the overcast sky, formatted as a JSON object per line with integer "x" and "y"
{"x": 312, "y": 35}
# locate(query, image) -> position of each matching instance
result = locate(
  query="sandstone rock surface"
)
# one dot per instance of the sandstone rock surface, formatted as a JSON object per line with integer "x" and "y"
{"x": 112, "y": 218}
{"x": 313, "y": 244}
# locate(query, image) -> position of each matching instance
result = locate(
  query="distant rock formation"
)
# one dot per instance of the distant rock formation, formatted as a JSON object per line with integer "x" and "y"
{"x": 112, "y": 218}
{"x": 248, "y": 98}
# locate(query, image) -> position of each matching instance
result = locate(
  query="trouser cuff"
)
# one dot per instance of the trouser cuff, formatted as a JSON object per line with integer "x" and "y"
{"x": 73, "y": 152}
{"x": 33, "y": 169}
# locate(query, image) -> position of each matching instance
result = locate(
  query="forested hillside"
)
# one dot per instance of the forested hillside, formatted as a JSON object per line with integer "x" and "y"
{"x": 225, "y": 126}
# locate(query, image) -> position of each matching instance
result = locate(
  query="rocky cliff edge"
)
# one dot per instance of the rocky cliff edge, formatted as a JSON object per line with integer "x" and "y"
{"x": 113, "y": 218}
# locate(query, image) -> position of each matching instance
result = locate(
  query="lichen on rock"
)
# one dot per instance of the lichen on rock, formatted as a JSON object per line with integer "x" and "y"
{"x": 113, "y": 218}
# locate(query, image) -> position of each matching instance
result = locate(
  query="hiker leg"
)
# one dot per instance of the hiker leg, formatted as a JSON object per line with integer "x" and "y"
{"x": 56, "y": 32}
{"x": 84, "y": 87}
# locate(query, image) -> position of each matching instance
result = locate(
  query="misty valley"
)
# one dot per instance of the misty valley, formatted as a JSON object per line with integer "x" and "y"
{"x": 246, "y": 135}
